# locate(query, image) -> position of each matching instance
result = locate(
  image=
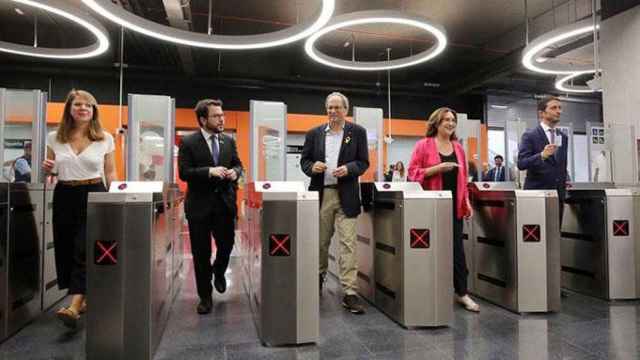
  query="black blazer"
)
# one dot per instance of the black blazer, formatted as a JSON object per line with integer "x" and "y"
{"x": 547, "y": 174}
{"x": 354, "y": 154}
{"x": 206, "y": 195}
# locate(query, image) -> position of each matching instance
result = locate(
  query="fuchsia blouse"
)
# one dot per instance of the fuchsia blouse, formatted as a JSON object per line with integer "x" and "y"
{"x": 425, "y": 155}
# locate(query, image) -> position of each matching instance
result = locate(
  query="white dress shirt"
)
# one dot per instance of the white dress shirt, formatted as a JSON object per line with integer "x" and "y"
{"x": 332, "y": 144}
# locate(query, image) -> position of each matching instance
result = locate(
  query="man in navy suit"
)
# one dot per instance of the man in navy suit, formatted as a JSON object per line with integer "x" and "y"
{"x": 543, "y": 151}
{"x": 498, "y": 172}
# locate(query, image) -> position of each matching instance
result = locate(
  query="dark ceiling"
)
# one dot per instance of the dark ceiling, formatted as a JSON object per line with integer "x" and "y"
{"x": 485, "y": 42}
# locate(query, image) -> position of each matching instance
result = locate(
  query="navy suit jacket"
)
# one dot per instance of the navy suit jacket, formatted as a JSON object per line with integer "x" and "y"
{"x": 549, "y": 174}
{"x": 492, "y": 173}
{"x": 354, "y": 153}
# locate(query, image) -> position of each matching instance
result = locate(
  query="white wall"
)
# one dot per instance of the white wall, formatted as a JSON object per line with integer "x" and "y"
{"x": 620, "y": 59}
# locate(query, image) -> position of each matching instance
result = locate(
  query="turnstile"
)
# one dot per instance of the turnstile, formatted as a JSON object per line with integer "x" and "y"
{"x": 50, "y": 292}
{"x": 280, "y": 237}
{"x": 469, "y": 249}
{"x": 21, "y": 220}
{"x": 516, "y": 247}
{"x": 600, "y": 241}
{"x": 129, "y": 269}
{"x": 412, "y": 254}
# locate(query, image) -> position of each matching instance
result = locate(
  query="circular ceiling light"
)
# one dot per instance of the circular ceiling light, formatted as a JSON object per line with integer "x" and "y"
{"x": 146, "y": 27}
{"x": 533, "y": 55}
{"x": 377, "y": 17}
{"x": 70, "y": 13}
{"x": 562, "y": 84}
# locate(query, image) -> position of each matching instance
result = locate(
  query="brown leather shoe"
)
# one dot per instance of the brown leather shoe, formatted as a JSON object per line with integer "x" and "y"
{"x": 204, "y": 307}
{"x": 352, "y": 304}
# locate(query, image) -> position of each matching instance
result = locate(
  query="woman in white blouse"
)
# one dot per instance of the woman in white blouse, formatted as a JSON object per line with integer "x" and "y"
{"x": 399, "y": 173}
{"x": 81, "y": 154}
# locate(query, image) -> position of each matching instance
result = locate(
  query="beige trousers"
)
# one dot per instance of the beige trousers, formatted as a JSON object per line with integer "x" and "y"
{"x": 332, "y": 219}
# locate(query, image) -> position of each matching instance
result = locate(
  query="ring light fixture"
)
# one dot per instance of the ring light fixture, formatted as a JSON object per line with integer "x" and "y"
{"x": 533, "y": 55}
{"x": 149, "y": 28}
{"x": 562, "y": 83}
{"x": 68, "y": 12}
{"x": 377, "y": 17}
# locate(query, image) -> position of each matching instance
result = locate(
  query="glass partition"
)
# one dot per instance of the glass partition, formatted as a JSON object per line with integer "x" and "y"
{"x": 513, "y": 130}
{"x": 268, "y": 129}
{"x": 371, "y": 119}
{"x": 623, "y": 161}
{"x": 469, "y": 133}
{"x": 151, "y": 137}
{"x": 600, "y": 169}
{"x": 23, "y": 133}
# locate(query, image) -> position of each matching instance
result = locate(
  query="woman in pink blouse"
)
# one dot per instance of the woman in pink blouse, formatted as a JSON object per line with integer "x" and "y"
{"x": 438, "y": 163}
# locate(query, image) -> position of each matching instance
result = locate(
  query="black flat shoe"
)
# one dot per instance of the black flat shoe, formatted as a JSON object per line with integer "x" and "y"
{"x": 220, "y": 283}
{"x": 204, "y": 307}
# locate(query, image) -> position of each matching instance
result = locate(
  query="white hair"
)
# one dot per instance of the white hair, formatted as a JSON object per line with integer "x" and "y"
{"x": 345, "y": 100}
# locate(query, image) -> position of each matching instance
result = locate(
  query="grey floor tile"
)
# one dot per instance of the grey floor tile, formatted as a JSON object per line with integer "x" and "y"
{"x": 216, "y": 352}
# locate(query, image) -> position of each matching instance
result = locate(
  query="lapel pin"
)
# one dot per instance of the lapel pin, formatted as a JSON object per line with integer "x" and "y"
{"x": 347, "y": 139}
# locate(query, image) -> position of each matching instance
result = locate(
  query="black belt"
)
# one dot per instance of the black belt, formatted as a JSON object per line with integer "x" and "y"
{"x": 334, "y": 186}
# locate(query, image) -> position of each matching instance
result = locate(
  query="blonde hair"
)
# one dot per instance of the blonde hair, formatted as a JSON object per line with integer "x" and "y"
{"x": 435, "y": 119}
{"x": 67, "y": 124}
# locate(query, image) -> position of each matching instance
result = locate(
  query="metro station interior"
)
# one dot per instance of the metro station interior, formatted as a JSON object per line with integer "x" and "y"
{"x": 527, "y": 247}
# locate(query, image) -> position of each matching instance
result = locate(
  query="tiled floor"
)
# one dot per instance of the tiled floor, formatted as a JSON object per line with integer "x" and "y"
{"x": 586, "y": 328}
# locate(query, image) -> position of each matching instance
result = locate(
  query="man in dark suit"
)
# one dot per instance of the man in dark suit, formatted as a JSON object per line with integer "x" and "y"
{"x": 497, "y": 173}
{"x": 208, "y": 161}
{"x": 334, "y": 156}
{"x": 543, "y": 151}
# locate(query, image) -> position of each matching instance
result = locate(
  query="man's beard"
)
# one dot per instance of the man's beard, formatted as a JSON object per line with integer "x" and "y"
{"x": 213, "y": 129}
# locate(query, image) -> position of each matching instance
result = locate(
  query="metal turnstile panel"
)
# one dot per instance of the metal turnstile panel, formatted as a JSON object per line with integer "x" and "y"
{"x": 24, "y": 255}
{"x": 365, "y": 249}
{"x": 494, "y": 234}
{"x": 127, "y": 262}
{"x": 388, "y": 230}
{"x": 283, "y": 250}
{"x": 515, "y": 249}
{"x": 621, "y": 244}
{"x": 583, "y": 244}
{"x": 51, "y": 294}
{"x": 427, "y": 271}
{"x": 531, "y": 252}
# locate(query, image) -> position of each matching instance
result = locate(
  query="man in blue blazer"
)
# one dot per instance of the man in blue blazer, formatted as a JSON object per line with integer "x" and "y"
{"x": 498, "y": 172}
{"x": 543, "y": 151}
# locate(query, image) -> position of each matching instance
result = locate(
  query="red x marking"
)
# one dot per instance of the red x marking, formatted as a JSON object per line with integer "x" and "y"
{"x": 106, "y": 252}
{"x": 619, "y": 228}
{"x": 279, "y": 244}
{"x": 419, "y": 238}
{"x": 530, "y": 232}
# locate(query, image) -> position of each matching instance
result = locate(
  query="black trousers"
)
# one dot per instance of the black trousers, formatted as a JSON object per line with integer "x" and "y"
{"x": 460, "y": 271}
{"x": 70, "y": 235}
{"x": 222, "y": 228}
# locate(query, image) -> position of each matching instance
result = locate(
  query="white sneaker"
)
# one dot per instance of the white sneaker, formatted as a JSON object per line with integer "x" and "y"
{"x": 468, "y": 303}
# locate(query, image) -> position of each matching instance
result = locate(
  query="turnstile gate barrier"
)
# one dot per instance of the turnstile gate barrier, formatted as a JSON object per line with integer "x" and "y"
{"x": 129, "y": 269}
{"x": 406, "y": 264}
{"x": 600, "y": 241}
{"x": 516, "y": 247}
{"x": 280, "y": 236}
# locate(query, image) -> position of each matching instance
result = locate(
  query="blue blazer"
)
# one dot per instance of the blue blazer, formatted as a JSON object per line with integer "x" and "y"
{"x": 550, "y": 174}
{"x": 492, "y": 173}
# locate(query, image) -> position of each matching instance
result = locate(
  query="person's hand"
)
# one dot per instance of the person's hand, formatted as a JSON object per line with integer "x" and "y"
{"x": 548, "y": 151}
{"x": 48, "y": 166}
{"x": 218, "y": 171}
{"x": 318, "y": 167}
{"x": 447, "y": 166}
{"x": 469, "y": 210}
{"x": 231, "y": 174}
{"x": 340, "y": 171}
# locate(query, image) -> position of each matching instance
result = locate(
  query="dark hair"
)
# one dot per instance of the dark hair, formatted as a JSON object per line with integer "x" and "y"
{"x": 67, "y": 124}
{"x": 542, "y": 104}
{"x": 435, "y": 119}
{"x": 498, "y": 157}
{"x": 202, "y": 108}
